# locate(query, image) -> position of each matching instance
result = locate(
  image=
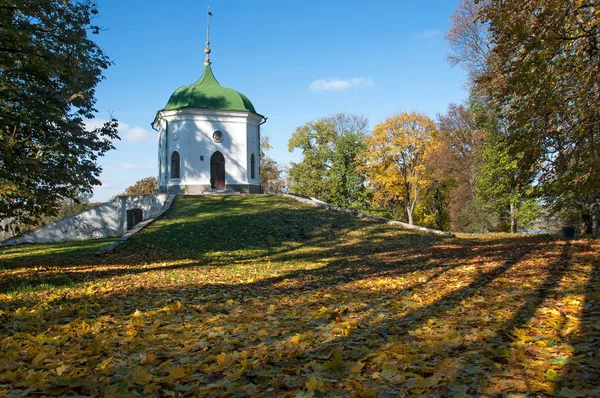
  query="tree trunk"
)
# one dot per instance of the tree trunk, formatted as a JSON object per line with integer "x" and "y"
{"x": 595, "y": 210}
{"x": 585, "y": 223}
{"x": 513, "y": 218}
{"x": 410, "y": 208}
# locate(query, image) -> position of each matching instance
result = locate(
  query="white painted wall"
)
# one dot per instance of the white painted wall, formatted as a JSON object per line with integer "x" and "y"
{"x": 103, "y": 221}
{"x": 190, "y": 132}
{"x": 253, "y": 140}
{"x": 150, "y": 205}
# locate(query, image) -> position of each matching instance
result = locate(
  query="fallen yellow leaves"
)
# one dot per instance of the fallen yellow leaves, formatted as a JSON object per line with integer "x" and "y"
{"x": 141, "y": 377}
{"x": 177, "y": 373}
{"x": 373, "y": 311}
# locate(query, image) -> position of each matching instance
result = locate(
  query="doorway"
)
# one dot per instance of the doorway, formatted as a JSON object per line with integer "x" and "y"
{"x": 217, "y": 171}
{"x": 134, "y": 217}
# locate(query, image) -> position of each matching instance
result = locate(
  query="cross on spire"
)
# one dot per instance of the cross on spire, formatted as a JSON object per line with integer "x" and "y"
{"x": 207, "y": 49}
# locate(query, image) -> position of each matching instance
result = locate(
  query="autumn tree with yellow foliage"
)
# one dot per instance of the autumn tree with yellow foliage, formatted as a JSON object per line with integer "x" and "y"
{"x": 394, "y": 161}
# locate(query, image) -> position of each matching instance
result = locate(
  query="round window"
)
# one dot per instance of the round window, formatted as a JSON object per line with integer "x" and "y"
{"x": 218, "y": 136}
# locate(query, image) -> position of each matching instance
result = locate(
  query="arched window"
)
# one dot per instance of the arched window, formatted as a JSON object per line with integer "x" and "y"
{"x": 175, "y": 165}
{"x": 252, "y": 166}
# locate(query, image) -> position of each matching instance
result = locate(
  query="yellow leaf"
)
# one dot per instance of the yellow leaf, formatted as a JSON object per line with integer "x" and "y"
{"x": 61, "y": 369}
{"x": 39, "y": 358}
{"x": 271, "y": 240}
{"x": 137, "y": 314}
{"x": 221, "y": 358}
{"x": 367, "y": 393}
{"x": 148, "y": 358}
{"x": 235, "y": 375}
{"x": 177, "y": 373}
{"x": 337, "y": 331}
{"x": 336, "y": 362}
{"x": 295, "y": 339}
{"x": 105, "y": 366}
{"x": 421, "y": 382}
{"x": 355, "y": 367}
{"x": 141, "y": 377}
{"x": 520, "y": 334}
{"x": 37, "y": 379}
{"x": 313, "y": 384}
{"x": 151, "y": 389}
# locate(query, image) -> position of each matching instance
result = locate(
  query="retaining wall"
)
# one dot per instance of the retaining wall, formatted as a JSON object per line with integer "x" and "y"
{"x": 106, "y": 220}
{"x": 317, "y": 203}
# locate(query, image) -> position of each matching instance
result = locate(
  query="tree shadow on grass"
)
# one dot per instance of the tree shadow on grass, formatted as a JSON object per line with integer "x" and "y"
{"x": 514, "y": 336}
{"x": 205, "y": 305}
{"x": 373, "y": 253}
{"x": 490, "y": 364}
{"x": 352, "y": 248}
{"x": 581, "y": 375}
{"x": 391, "y": 258}
{"x": 349, "y": 249}
{"x": 193, "y": 233}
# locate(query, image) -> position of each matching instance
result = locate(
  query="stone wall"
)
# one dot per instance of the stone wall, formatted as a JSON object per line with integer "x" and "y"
{"x": 106, "y": 220}
{"x": 150, "y": 204}
{"x": 317, "y": 203}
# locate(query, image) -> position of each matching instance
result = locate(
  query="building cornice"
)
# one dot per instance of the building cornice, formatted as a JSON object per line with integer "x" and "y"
{"x": 209, "y": 114}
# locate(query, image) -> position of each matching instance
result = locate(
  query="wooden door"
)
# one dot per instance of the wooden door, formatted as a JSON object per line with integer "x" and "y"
{"x": 217, "y": 171}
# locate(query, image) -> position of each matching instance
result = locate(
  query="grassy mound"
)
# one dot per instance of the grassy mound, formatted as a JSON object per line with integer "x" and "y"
{"x": 262, "y": 296}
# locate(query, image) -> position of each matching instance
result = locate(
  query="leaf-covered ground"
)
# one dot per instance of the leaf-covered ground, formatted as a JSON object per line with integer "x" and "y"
{"x": 262, "y": 296}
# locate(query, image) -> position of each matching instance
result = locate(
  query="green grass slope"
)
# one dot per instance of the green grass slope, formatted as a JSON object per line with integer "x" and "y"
{"x": 263, "y": 296}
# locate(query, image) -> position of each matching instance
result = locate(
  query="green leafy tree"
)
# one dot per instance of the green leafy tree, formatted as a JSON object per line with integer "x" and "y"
{"x": 49, "y": 68}
{"x": 504, "y": 186}
{"x": 145, "y": 186}
{"x": 347, "y": 187}
{"x": 543, "y": 78}
{"x": 328, "y": 168}
{"x": 432, "y": 209}
{"x": 308, "y": 177}
{"x": 453, "y": 163}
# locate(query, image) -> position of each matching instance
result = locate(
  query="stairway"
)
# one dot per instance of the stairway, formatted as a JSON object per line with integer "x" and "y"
{"x": 221, "y": 191}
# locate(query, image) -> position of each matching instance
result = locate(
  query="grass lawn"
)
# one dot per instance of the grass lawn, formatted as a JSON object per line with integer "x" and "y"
{"x": 262, "y": 296}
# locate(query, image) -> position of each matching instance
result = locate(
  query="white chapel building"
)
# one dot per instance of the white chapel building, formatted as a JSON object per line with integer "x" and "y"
{"x": 208, "y": 139}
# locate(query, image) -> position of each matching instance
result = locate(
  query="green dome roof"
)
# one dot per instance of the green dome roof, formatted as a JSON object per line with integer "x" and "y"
{"x": 207, "y": 93}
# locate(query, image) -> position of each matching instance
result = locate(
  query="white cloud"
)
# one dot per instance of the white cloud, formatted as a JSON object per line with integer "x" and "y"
{"x": 426, "y": 34}
{"x": 104, "y": 185}
{"x": 337, "y": 84}
{"x": 91, "y": 124}
{"x": 126, "y": 132}
{"x": 136, "y": 166}
{"x": 133, "y": 134}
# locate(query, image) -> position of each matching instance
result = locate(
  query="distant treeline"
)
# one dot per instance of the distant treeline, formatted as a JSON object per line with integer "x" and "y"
{"x": 522, "y": 151}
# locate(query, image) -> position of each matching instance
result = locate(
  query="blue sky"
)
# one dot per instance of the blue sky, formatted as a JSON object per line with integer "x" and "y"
{"x": 296, "y": 61}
